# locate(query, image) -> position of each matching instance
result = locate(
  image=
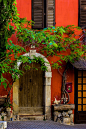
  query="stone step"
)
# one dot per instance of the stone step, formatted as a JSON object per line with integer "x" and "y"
{"x": 28, "y": 117}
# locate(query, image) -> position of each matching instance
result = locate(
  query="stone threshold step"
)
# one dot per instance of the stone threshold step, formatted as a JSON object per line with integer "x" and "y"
{"x": 27, "y": 117}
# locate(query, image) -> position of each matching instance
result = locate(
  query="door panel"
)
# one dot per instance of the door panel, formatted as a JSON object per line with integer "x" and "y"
{"x": 80, "y": 96}
{"x": 31, "y": 90}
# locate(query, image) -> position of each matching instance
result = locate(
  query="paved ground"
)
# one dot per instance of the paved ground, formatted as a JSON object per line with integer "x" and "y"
{"x": 42, "y": 125}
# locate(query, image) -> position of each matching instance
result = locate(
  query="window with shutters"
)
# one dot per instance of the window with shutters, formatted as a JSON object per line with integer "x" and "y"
{"x": 82, "y": 13}
{"x": 43, "y": 13}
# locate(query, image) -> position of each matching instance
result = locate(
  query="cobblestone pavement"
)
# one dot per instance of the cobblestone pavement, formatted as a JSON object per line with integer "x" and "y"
{"x": 42, "y": 125}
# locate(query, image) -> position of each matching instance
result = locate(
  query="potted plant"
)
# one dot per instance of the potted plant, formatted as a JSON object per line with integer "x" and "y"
{"x": 2, "y": 117}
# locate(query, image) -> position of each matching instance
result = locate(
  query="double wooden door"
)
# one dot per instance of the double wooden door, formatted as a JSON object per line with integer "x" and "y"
{"x": 80, "y": 96}
{"x": 31, "y": 90}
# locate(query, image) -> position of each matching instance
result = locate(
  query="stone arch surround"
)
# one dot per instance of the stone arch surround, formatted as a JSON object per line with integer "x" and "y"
{"x": 47, "y": 86}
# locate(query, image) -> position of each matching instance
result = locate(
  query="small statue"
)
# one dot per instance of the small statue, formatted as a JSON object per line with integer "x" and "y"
{"x": 56, "y": 101}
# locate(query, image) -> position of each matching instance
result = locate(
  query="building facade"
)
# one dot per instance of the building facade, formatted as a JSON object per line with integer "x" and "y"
{"x": 33, "y": 97}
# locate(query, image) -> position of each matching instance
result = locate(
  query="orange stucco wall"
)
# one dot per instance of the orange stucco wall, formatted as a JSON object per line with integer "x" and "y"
{"x": 24, "y": 8}
{"x": 66, "y": 13}
{"x": 56, "y": 81}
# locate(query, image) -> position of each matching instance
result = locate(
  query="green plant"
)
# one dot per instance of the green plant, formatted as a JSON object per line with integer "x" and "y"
{"x": 8, "y": 105}
{"x": 60, "y": 42}
{"x": 2, "y": 117}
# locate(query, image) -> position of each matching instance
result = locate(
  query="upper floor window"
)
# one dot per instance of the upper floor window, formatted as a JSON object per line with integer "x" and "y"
{"x": 82, "y": 13}
{"x": 43, "y": 13}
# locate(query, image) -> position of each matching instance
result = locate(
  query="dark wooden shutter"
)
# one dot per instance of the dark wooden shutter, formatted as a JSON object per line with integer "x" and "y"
{"x": 38, "y": 14}
{"x": 50, "y": 13}
{"x": 82, "y": 13}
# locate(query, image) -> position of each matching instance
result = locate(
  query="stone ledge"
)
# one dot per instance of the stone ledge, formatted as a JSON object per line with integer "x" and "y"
{"x": 63, "y": 113}
{"x": 29, "y": 117}
{"x": 61, "y": 107}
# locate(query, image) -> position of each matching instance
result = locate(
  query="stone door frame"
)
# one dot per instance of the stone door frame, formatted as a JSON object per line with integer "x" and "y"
{"x": 47, "y": 83}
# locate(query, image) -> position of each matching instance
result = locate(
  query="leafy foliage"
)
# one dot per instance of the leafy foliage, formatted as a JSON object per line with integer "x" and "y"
{"x": 51, "y": 41}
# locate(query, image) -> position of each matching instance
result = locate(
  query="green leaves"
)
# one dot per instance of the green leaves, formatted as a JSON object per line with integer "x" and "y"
{"x": 51, "y": 41}
{"x": 55, "y": 45}
{"x": 5, "y": 2}
{"x": 5, "y": 84}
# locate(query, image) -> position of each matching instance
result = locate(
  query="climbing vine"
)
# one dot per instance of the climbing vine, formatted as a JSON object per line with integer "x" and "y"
{"x": 51, "y": 41}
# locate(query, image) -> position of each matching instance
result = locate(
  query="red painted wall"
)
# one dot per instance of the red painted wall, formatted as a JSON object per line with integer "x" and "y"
{"x": 66, "y": 12}
{"x": 24, "y": 8}
{"x": 56, "y": 81}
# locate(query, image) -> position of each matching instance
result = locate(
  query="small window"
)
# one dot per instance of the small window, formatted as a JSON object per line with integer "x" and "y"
{"x": 43, "y": 13}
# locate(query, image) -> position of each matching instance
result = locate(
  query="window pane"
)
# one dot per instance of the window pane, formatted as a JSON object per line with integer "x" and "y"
{"x": 79, "y": 94}
{"x": 84, "y": 87}
{"x": 79, "y": 87}
{"x": 79, "y": 101}
{"x": 79, "y": 80}
{"x": 84, "y": 107}
{"x": 84, "y": 93}
{"x": 84, "y": 73}
{"x": 79, "y": 73}
{"x": 79, "y": 108}
{"x": 84, "y": 100}
{"x": 84, "y": 80}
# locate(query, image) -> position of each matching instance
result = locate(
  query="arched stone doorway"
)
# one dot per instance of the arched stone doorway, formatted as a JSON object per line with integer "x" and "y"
{"x": 47, "y": 87}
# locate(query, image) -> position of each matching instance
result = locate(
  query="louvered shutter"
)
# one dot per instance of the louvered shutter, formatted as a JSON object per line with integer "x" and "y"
{"x": 50, "y": 13}
{"x": 38, "y": 13}
{"x": 82, "y": 21}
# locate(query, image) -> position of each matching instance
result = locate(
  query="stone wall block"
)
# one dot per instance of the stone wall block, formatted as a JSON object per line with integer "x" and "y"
{"x": 39, "y": 55}
{"x": 48, "y": 74}
{"x": 71, "y": 118}
{"x": 47, "y": 81}
{"x": 70, "y": 112}
{"x": 32, "y": 53}
{"x": 47, "y": 95}
{"x": 65, "y": 113}
{"x": 15, "y": 96}
{"x": 18, "y": 64}
{"x": 48, "y": 113}
{"x": 47, "y": 64}
{"x": 59, "y": 114}
{"x": 48, "y": 68}
{"x": 66, "y": 120}
{"x": 26, "y": 54}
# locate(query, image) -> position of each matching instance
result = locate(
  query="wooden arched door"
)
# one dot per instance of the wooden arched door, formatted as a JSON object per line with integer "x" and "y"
{"x": 31, "y": 90}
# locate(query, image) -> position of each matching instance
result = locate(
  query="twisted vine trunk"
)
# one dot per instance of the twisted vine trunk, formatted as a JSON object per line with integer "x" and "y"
{"x": 64, "y": 92}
